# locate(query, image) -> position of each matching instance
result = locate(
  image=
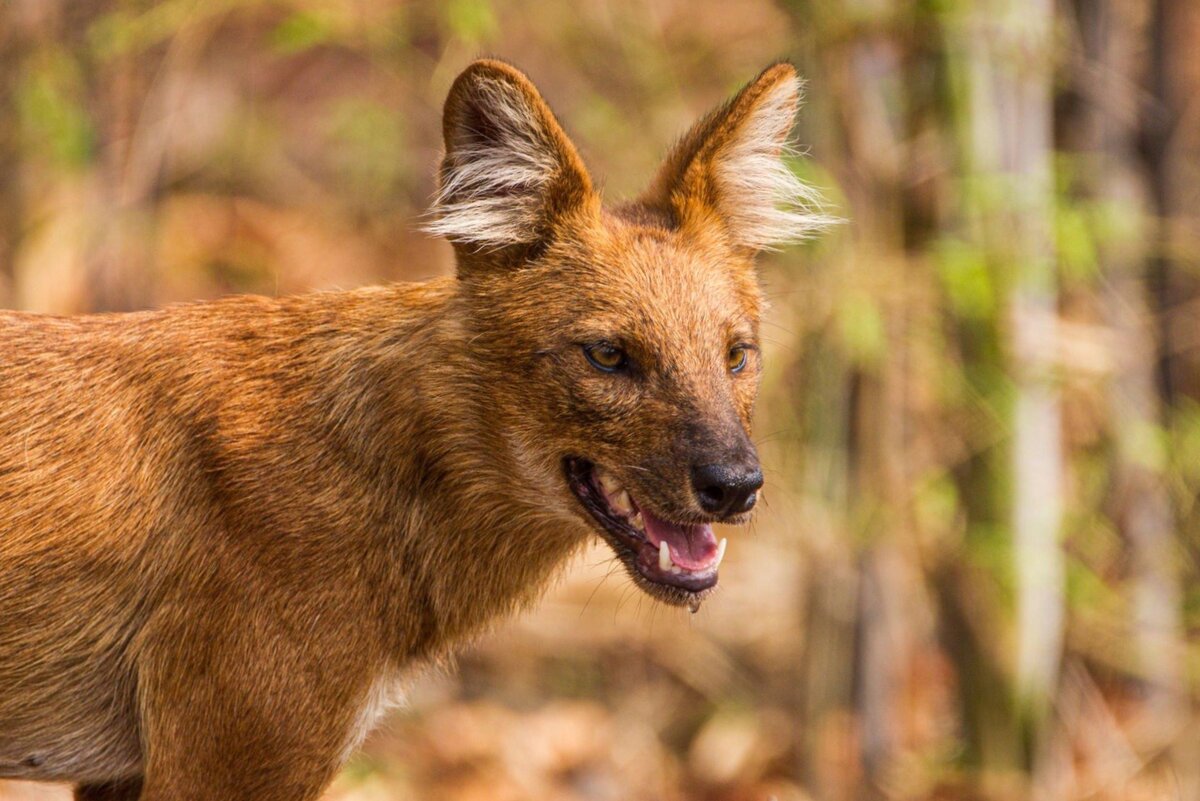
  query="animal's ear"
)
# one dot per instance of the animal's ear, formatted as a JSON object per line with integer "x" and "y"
{"x": 510, "y": 175}
{"x": 730, "y": 166}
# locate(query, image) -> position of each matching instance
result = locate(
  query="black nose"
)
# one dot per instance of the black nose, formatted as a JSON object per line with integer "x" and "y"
{"x": 727, "y": 489}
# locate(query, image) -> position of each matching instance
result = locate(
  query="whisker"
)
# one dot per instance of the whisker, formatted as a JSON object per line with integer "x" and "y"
{"x": 599, "y": 584}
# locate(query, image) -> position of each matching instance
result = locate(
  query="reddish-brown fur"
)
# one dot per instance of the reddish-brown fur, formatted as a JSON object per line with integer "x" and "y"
{"x": 227, "y": 528}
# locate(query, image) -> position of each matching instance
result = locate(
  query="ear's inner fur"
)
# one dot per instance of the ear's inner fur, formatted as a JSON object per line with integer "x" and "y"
{"x": 510, "y": 175}
{"x": 732, "y": 166}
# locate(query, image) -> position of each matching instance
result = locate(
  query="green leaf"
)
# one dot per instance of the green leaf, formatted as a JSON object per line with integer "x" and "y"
{"x": 473, "y": 21}
{"x": 299, "y": 32}
{"x": 52, "y": 118}
{"x": 1077, "y": 254}
{"x": 861, "y": 327}
{"x": 963, "y": 270}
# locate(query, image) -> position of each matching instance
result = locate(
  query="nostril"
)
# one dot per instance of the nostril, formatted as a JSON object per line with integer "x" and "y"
{"x": 751, "y": 483}
{"x": 749, "y": 501}
{"x": 712, "y": 498}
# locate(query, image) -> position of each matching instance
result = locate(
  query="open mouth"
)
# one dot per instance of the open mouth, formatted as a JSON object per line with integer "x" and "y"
{"x": 675, "y": 562}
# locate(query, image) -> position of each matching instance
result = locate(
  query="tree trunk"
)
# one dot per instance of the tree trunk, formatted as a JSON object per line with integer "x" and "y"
{"x": 1141, "y": 505}
{"x": 1006, "y": 57}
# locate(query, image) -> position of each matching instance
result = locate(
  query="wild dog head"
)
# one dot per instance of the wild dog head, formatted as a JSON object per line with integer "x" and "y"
{"x": 627, "y": 338}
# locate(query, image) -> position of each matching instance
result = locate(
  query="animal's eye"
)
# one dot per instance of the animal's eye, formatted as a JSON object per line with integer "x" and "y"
{"x": 736, "y": 358}
{"x": 605, "y": 357}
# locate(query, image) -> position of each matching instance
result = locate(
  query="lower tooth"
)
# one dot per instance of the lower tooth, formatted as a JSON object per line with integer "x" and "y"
{"x": 636, "y": 521}
{"x": 664, "y": 557}
{"x": 721, "y": 551}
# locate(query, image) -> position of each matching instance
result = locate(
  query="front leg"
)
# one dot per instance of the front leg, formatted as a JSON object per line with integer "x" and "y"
{"x": 246, "y": 706}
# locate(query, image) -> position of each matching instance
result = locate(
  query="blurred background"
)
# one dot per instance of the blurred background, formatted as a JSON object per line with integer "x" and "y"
{"x": 974, "y": 573}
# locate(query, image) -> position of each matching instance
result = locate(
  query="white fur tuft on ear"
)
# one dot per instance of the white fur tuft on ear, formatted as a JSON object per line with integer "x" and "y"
{"x": 766, "y": 204}
{"x": 493, "y": 183}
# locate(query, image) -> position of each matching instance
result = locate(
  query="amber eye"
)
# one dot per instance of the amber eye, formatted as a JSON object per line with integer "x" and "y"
{"x": 605, "y": 357}
{"x": 736, "y": 358}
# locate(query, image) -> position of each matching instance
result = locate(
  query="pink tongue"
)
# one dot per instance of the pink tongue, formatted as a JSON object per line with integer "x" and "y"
{"x": 692, "y": 547}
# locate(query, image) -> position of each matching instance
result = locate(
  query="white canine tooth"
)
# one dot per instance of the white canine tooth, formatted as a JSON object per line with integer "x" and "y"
{"x": 609, "y": 484}
{"x": 664, "y": 557}
{"x": 721, "y": 551}
{"x": 637, "y": 522}
{"x": 621, "y": 502}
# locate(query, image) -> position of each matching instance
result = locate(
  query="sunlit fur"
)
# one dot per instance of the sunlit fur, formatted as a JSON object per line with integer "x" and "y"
{"x": 228, "y": 528}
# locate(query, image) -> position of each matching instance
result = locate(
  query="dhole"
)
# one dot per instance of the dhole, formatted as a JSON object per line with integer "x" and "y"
{"x": 228, "y": 528}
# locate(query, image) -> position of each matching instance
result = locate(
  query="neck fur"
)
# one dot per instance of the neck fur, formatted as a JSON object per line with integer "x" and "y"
{"x": 474, "y": 536}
